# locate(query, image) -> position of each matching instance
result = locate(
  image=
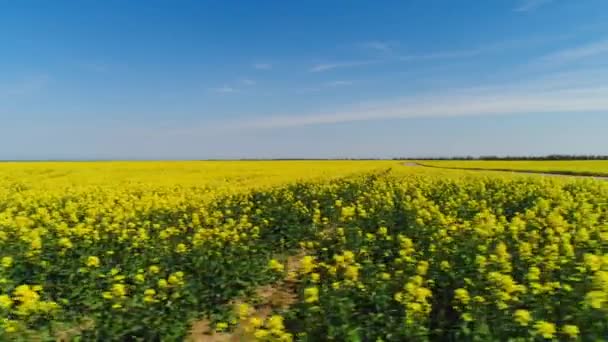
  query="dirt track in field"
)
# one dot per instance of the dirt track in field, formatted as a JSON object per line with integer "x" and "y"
{"x": 540, "y": 173}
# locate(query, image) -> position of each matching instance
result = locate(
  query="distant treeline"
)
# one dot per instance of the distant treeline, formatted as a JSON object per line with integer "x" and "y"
{"x": 549, "y": 157}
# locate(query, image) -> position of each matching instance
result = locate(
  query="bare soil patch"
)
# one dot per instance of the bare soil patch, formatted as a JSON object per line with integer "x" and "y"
{"x": 272, "y": 297}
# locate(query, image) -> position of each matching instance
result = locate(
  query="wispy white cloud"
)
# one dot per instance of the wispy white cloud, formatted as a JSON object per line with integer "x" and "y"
{"x": 262, "y": 66}
{"x": 412, "y": 57}
{"x": 489, "y": 48}
{"x": 531, "y": 5}
{"x": 392, "y": 56}
{"x": 96, "y": 66}
{"x": 338, "y": 83}
{"x": 576, "y": 53}
{"x": 224, "y": 89}
{"x": 326, "y": 85}
{"x": 23, "y": 86}
{"x": 247, "y": 82}
{"x": 445, "y": 54}
{"x": 404, "y": 58}
{"x": 339, "y": 65}
{"x": 562, "y": 93}
{"x": 235, "y": 86}
{"x": 380, "y": 46}
{"x": 307, "y": 90}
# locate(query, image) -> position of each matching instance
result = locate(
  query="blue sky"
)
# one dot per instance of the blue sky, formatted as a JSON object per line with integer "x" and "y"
{"x": 225, "y": 79}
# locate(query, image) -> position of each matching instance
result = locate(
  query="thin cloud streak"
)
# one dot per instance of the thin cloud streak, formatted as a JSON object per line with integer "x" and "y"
{"x": 444, "y": 54}
{"x": 338, "y": 83}
{"x": 405, "y": 58}
{"x": 225, "y": 89}
{"x": 531, "y": 5}
{"x": 538, "y": 96}
{"x": 262, "y": 66}
{"x": 439, "y": 55}
{"x": 484, "y": 49}
{"x": 576, "y": 53}
{"x": 339, "y": 65}
{"x": 24, "y": 86}
{"x": 381, "y": 46}
{"x": 98, "y": 67}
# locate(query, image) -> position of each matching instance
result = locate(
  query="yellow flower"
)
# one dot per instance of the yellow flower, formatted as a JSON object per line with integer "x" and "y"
{"x": 533, "y": 274}
{"x": 120, "y": 277}
{"x": 275, "y": 323}
{"x": 444, "y": 265}
{"x": 150, "y": 299}
{"x": 422, "y": 293}
{"x": 6, "y": 261}
{"x": 119, "y": 290}
{"x": 311, "y": 294}
{"x": 176, "y": 278}
{"x": 348, "y": 256}
{"x": 255, "y": 322}
{"x": 181, "y": 248}
{"x": 5, "y": 301}
{"x": 462, "y": 295}
{"x": 422, "y": 268}
{"x": 351, "y": 272}
{"x": 92, "y": 261}
{"x": 25, "y": 294}
{"x": 10, "y": 326}
{"x": 285, "y": 337}
{"x": 243, "y": 310}
{"x": 139, "y": 278}
{"x": 261, "y": 334}
{"x": 65, "y": 243}
{"x": 307, "y": 264}
{"x": 545, "y": 329}
{"x": 275, "y": 265}
{"x": 596, "y": 299}
{"x": 173, "y": 280}
{"x": 221, "y": 326}
{"x": 593, "y": 262}
{"x": 149, "y": 296}
{"x": 522, "y": 317}
{"x": 570, "y": 330}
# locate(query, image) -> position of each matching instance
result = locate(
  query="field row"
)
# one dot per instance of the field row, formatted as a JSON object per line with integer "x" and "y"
{"x": 597, "y": 168}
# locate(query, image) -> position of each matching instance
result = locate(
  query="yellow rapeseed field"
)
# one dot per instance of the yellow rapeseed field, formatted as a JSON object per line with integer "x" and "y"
{"x": 368, "y": 251}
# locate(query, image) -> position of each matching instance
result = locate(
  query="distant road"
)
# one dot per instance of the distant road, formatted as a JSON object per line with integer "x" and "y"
{"x": 527, "y": 172}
